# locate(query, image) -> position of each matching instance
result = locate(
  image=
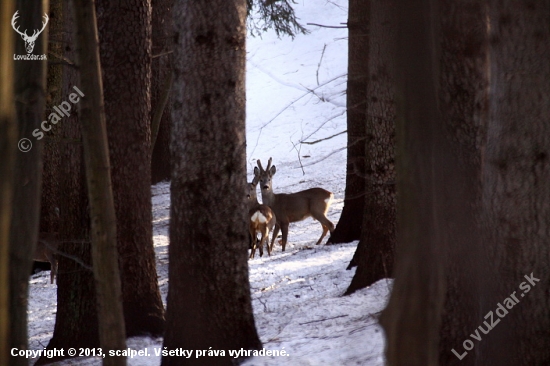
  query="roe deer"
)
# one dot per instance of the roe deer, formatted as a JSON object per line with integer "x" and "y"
{"x": 46, "y": 251}
{"x": 293, "y": 207}
{"x": 262, "y": 220}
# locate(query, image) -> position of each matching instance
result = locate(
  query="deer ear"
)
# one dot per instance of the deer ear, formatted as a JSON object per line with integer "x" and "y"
{"x": 256, "y": 172}
{"x": 273, "y": 170}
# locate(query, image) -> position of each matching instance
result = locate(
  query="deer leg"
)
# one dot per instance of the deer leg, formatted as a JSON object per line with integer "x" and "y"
{"x": 275, "y": 233}
{"x": 262, "y": 244}
{"x": 325, "y": 231}
{"x": 284, "y": 229}
{"x": 53, "y": 273}
{"x": 254, "y": 242}
{"x": 327, "y": 226}
{"x": 265, "y": 239}
{"x": 53, "y": 265}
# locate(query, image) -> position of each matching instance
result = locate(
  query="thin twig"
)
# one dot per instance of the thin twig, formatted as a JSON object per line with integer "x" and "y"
{"x": 326, "y": 138}
{"x": 328, "y": 26}
{"x": 319, "y": 64}
{"x": 322, "y": 320}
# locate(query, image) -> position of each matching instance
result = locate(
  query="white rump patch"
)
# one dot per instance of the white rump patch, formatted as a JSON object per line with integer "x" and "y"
{"x": 328, "y": 201}
{"x": 258, "y": 217}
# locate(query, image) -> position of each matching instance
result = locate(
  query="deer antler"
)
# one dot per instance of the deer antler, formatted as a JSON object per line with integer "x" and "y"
{"x": 15, "y": 16}
{"x": 260, "y": 165}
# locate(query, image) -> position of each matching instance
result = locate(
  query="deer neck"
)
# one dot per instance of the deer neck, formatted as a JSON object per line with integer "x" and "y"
{"x": 268, "y": 197}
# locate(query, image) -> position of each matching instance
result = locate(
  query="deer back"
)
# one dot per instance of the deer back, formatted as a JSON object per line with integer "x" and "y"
{"x": 46, "y": 247}
{"x": 291, "y": 207}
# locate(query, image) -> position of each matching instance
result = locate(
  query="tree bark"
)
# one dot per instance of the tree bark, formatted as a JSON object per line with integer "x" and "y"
{"x": 76, "y": 323}
{"x": 516, "y": 193}
{"x": 161, "y": 70}
{"x": 51, "y": 158}
{"x": 464, "y": 105}
{"x": 417, "y": 297}
{"x": 209, "y": 305}
{"x": 125, "y": 44}
{"x": 376, "y": 250}
{"x": 349, "y": 226}
{"x": 8, "y": 142}
{"x": 30, "y": 91}
{"x": 102, "y": 211}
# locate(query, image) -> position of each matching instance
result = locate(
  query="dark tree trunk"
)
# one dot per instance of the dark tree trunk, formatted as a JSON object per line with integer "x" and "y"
{"x": 464, "y": 105}
{"x": 98, "y": 178}
{"x": 126, "y": 61}
{"x": 209, "y": 301}
{"x": 349, "y": 226}
{"x": 49, "y": 220}
{"x": 161, "y": 69}
{"x": 516, "y": 193}
{"x": 8, "y": 142}
{"x": 376, "y": 250}
{"x": 30, "y": 91}
{"x": 76, "y": 323}
{"x": 412, "y": 318}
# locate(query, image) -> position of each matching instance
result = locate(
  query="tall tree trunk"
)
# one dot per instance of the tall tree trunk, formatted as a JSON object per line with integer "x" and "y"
{"x": 8, "y": 138}
{"x": 418, "y": 292}
{"x": 464, "y": 105}
{"x": 351, "y": 219}
{"x": 516, "y": 193}
{"x": 51, "y": 158}
{"x": 30, "y": 81}
{"x": 98, "y": 177}
{"x": 76, "y": 323}
{"x": 126, "y": 58}
{"x": 376, "y": 250}
{"x": 209, "y": 301}
{"x": 161, "y": 69}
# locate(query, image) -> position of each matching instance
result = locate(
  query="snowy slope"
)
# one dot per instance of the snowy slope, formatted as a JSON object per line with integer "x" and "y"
{"x": 295, "y": 93}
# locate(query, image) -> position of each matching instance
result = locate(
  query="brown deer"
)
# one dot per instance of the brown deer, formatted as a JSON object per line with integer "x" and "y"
{"x": 293, "y": 207}
{"x": 46, "y": 251}
{"x": 262, "y": 220}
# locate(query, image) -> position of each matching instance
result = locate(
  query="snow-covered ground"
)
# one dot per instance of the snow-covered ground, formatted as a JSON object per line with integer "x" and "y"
{"x": 295, "y": 94}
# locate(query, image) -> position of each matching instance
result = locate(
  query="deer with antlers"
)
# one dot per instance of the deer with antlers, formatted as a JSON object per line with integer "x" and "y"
{"x": 293, "y": 207}
{"x": 29, "y": 40}
{"x": 262, "y": 220}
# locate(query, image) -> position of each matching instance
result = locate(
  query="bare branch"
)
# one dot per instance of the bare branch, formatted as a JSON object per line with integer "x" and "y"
{"x": 324, "y": 139}
{"x": 328, "y": 26}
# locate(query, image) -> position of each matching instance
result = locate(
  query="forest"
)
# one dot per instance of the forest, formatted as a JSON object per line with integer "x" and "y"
{"x": 275, "y": 182}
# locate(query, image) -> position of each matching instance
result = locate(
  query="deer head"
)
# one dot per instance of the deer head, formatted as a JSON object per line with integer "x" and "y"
{"x": 29, "y": 40}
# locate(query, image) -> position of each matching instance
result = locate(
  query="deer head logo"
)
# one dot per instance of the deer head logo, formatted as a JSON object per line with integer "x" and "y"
{"x": 29, "y": 40}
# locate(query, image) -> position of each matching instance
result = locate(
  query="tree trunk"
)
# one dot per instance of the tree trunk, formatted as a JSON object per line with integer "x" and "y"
{"x": 76, "y": 323}
{"x": 376, "y": 250}
{"x": 516, "y": 193}
{"x": 8, "y": 138}
{"x": 161, "y": 69}
{"x": 349, "y": 226}
{"x": 30, "y": 81}
{"x": 411, "y": 319}
{"x": 102, "y": 211}
{"x": 126, "y": 59}
{"x": 51, "y": 158}
{"x": 209, "y": 305}
{"x": 464, "y": 105}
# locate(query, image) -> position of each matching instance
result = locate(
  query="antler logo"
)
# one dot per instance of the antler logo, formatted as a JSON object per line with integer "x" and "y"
{"x": 29, "y": 40}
